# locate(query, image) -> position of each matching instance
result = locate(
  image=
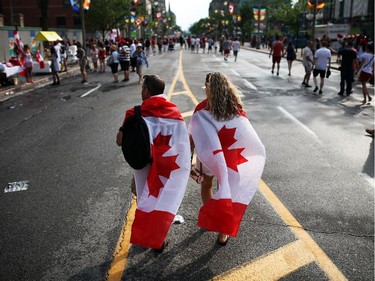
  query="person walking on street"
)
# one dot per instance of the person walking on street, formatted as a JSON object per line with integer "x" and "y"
{"x": 308, "y": 62}
{"x": 101, "y": 55}
{"x": 227, "y": 46}
{"x": 160, "y": 185}
{"x": 82, "y": 60}
{"x": 348, "y": 59}
{"x": 322, "y": 58}
{"x": 124, "y": 58}
{"x": 236, "y": 48}
{"x": 290, "y": 56}
{"x": 94, "y": 54}
{"x": 228, "y": 148}
{"x": 141, "y": 60}
{"x": 367, "y": 71}
{"x": 114, "y": 57}
{"x": 276, "y": 52}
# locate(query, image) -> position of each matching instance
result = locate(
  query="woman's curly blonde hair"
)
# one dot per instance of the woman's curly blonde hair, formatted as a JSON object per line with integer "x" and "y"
{"x": 223, "y": 100}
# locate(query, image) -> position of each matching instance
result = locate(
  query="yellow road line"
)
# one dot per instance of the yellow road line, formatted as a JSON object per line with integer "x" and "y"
{"x": 272, "y": 266}
{"x": 120, "y": 260}
{"x": 279, "y": 263}
{"x": 180, "y": 74}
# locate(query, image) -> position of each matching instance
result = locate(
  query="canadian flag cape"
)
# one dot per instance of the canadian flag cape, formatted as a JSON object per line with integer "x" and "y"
{"x": 161, "y": 185}
{"x": 233, "y": 152}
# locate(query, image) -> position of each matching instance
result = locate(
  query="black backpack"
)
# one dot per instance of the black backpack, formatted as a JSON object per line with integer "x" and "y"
{"x": 136, "y": 141}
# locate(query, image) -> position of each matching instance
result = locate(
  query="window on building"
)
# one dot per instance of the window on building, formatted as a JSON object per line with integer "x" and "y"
{"x": 76, "y": 22}
{"x": 60, "y": 22}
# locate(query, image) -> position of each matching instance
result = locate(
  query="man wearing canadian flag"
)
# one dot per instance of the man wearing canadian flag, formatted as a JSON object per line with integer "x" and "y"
{"x": 228, "y": 148}
{"x": 161, "y": 185}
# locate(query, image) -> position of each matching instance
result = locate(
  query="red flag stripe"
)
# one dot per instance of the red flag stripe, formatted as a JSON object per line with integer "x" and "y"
{"x": 150, "y": 229}
{"x": 222, "y": 216}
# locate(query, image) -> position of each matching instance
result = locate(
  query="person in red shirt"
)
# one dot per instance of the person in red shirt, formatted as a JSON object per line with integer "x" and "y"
{"x": 277, "y": 51}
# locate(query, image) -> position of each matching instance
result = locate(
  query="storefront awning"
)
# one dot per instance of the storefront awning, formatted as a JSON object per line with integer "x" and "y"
{"x": 50, "y": 36}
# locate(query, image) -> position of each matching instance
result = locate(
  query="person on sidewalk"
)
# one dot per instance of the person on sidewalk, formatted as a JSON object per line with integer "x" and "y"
{"x": 28, "y": 58}
{"x": 228, "y": 148}
{"x": 308, "y": 62}
{"x": 55, "y": 66}
{"x": 82, "y": 60}
{"x": 160, "y": 185}
{"x": 322, "y": 58}
{"x": 348, "y": 59}
{"x": 276, "y": 52}
{"x": 367, "y": 71}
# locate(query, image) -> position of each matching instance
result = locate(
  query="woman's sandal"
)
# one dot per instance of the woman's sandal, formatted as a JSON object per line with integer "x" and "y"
{"x": 222, "y": 243}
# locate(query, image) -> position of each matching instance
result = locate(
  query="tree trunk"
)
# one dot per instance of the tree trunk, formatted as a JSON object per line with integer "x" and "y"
{"x": 44, "y": 14}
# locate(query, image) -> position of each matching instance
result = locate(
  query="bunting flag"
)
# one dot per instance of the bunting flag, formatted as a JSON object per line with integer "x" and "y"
{"x": 233, "y": 152}
{"x": 18, "y": 41}
{"x": 40, "y": 59}
{"x": 161, "y": 185}
{"x": 231, "y": 8}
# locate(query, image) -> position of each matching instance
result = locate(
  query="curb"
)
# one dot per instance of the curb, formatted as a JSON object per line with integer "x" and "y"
{"x": 23, "y": 88}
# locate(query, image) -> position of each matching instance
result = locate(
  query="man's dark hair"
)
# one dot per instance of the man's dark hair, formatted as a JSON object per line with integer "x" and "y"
{"x": 154, "y": 84}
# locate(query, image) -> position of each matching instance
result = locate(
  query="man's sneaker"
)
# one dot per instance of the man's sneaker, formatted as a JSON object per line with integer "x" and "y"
{"x": 340, "y": 93}
{"x": 320, "y": 92}
{"x": 316, "y": 89}
{"x": 272, "y": 71}
{"x": 277, "y": 74}
{"x": 308, "y": 86}
{"x": 303, "y": 83}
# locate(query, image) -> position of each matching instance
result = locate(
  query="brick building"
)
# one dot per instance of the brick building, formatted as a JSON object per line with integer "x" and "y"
{"x": 59, "y": 14}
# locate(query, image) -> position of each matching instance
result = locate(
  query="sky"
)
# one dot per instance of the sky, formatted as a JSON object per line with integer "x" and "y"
{"x": 189, "y": 11}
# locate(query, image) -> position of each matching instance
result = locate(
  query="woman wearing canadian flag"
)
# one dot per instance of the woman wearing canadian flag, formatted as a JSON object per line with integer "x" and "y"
{"x": 230, "y": 150}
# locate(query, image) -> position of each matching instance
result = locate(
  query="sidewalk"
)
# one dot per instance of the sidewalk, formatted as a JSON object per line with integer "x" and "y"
{"x": 39, "y": 81}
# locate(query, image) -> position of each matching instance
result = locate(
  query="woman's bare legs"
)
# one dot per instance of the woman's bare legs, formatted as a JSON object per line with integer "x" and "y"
{"x": 206, "y": 195}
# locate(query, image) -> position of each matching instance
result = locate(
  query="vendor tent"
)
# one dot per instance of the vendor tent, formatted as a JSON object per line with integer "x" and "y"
{"x": 50, "y": 36}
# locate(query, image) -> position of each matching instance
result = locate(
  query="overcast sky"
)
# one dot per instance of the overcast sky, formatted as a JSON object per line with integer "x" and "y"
{"x": 189, "y": 11}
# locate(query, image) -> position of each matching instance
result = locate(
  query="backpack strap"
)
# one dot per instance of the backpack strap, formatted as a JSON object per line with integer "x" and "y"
{"x": 137, "y": 110}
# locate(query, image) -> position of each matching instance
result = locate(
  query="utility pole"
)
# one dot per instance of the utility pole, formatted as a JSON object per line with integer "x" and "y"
{"x": 82, "y": 16}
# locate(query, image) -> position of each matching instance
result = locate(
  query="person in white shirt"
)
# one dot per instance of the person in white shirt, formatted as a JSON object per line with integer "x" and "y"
{"x": 367, "y": 67}
{"x": 236, "y": 48}
{"x": 322, "y": 57}
{"x": 308, "y": 62}
{"x": 197, "y": 44}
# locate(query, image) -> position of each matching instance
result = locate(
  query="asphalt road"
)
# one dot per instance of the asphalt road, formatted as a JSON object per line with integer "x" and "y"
{"x": 312, "y": 218}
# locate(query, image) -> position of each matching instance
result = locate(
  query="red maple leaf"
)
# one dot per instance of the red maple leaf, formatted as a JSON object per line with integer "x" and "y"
{"x": 161, "y": 165}
{"x": 232, "y": 157}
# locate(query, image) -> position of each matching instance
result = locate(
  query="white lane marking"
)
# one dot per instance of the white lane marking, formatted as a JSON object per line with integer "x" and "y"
{"x": 235, "y": 72}
{"x": 299, "y": 123}
{"x": 249, "y": 85}
{"x": 92, "y": 90}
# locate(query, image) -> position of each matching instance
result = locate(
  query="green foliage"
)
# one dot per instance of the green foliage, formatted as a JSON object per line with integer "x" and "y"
{"x": 107, "y": 14}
